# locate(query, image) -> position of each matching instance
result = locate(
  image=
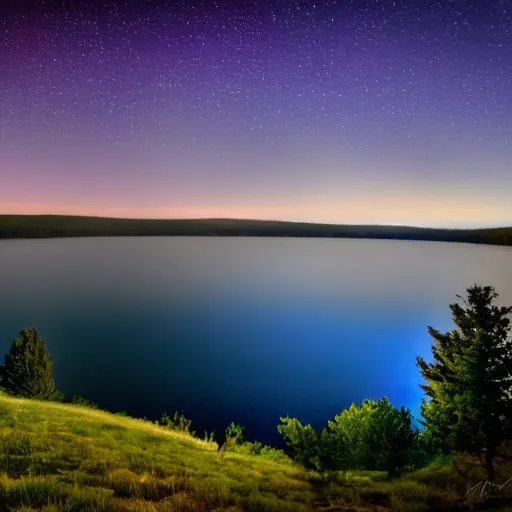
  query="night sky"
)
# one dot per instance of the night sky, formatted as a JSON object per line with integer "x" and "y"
{"x": 371, "y": 112}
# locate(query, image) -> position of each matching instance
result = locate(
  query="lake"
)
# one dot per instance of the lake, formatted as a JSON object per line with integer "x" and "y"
{"x": 239, "y": 329}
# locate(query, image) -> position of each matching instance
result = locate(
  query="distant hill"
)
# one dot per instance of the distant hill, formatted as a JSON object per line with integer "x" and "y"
{"x": 58, "y": 226}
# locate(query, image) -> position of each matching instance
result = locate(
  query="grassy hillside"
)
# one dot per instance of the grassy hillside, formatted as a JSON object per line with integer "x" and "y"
{"x": 90, "y": 460}
{"x": 57, "y": 457}
{"x": 47, "y": 226}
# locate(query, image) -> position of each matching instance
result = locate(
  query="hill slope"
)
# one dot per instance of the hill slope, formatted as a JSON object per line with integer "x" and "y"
{"x": 92, "y": 460}
{"x": 48, "y": 226}
{"x": 59, "y": 457}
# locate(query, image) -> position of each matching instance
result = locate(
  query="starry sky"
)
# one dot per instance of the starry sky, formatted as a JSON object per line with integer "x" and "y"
{"x": 357, "y": 112}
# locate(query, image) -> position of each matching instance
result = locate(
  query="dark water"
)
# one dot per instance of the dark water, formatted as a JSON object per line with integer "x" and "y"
{"x": 238, "y": 329}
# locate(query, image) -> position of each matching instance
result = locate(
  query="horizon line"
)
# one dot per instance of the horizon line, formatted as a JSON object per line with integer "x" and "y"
{"x": 249, "y": 220}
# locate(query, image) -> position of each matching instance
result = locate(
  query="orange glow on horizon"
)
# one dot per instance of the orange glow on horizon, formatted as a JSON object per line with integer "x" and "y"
{"x": 374, "y": 210}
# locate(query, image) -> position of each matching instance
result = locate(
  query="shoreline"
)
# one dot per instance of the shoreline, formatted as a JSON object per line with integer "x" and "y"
{"x": 60, "y": 226}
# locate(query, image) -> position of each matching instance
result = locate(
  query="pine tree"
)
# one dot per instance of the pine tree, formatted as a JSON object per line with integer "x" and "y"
{"x": 469, "y": 382}
{"x": 28, "y": 368}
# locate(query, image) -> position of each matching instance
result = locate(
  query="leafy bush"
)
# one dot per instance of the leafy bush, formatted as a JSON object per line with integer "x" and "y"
{"x": 235, "y": 432}
{"x": 258, "y": 449}
{"x": 271, "y": 453}
{"x": 177, "y": 422}
{"x": 374, "y": 436}
{"x": 79, "y": 400}
{"x": 209, "y": 438}
{"x": 301, "y": 442}
{"x": 58, "y": 396}
{"x": 423, "y": 451}
{"x": 123, "y": 414}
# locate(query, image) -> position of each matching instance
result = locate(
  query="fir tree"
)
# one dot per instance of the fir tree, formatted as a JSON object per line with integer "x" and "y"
{"x": 28, "y": 368}
{"x": 469, "y": 382}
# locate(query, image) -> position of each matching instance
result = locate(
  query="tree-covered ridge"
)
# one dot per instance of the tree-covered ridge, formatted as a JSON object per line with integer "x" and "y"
{"x": 55, "y": 226}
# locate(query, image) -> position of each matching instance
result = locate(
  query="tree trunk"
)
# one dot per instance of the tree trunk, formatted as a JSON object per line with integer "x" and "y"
{"x": 489, "y": 466}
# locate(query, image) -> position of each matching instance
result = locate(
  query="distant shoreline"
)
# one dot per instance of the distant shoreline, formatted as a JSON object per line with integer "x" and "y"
{"x": 64, "y": 226}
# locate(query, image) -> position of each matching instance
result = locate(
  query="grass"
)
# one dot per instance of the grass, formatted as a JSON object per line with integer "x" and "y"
{"x": 48, "y": 226}
{"x": 69, "y": 457}
{"x": 60, "y": 457}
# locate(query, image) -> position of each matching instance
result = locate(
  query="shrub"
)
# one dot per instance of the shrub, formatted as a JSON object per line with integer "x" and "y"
{"x": 301, "y": 442}
{"x": 79, "y": 400}
{"x": 209, "y": 438}
{"x": 374, "y": 436}
{"x": 258, "y": 449}
{"x": 235, "y": 432}
{"x": 177, "y": 422}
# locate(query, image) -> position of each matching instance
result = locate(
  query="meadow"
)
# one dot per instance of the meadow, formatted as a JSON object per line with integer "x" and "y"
{"x": 62, "y": 457}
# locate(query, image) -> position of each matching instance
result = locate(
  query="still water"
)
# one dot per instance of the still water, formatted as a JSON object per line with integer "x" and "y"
{"x": 239, "y": 329}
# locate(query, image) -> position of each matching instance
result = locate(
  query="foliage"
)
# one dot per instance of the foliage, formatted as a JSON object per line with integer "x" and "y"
{"x": 54, "y": 457}
{"x": 374, "y": 436}
{"x": 28, "y": 368}
{"x": 209, "y": 438}
{"x": 258, "y": 449}
{"x": 254, "y": 447}
{"x": 469, "y": 383}
{"x": 58, "y": 396}
{"x": 80, "y": 400}
{"x": 48, "y": 226}
{"x": 166, "y": 421}
{"x": 301, "y": 442}
{"x": 235, "y": 432}
{"x": 423, "y": 451}
{"x": 177, "y": 422}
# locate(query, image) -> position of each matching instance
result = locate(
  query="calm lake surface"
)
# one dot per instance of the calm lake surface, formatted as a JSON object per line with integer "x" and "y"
{"x": 239, "y": 329}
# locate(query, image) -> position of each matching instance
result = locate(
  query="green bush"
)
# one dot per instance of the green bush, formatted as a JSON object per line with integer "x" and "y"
{"x": 301, "y": 442}
{"x": 209, "y": 438}
{"x": 79, "y": 400}
{"x": 374, "y": 436}
{"x": 177, "y": 422}
{"x": 258, "y": 449}
{"x": 235, "y": 432}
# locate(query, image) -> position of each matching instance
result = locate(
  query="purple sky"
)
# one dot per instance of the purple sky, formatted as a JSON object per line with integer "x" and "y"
{"x": 381, "y": 112}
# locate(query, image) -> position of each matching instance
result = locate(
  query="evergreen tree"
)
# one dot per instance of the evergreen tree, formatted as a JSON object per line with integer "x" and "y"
{"x": 469, "y": 382}
{"x": 28, "y": 368}
{"x": 401, "y": 439}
